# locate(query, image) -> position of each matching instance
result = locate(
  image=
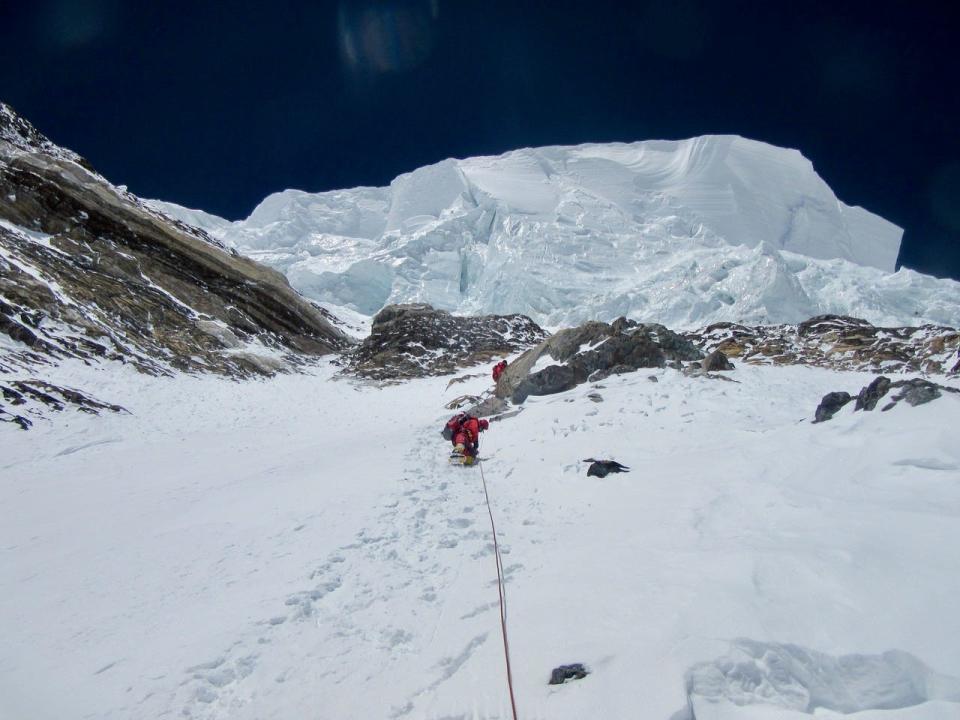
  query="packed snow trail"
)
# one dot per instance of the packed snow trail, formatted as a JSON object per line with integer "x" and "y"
{"x": 393, "y": 593}
{"x": 300, "y": 548}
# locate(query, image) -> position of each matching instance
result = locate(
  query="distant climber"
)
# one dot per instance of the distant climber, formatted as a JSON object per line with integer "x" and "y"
{"x": 602, "y": 468}
{"x": 463, "y": 430}
{"x": 498, "y": 370}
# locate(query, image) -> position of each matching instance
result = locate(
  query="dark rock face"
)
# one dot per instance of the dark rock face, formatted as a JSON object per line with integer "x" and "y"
{"x": 593, "y": 351}
{"x": 869, "y": 396}
{"x": 916, "y": 391}
{"x": 716, "y": 361}
{"x": 568, "y": 342}
{"x": 831, "y": 405}
{"x": 89, "y": 271}
{"x": 563, "y": 673}
{"x": 550, "y": 380}
{"x": 634, "y": 351}
{"x": 29, "y": 398}
{"x": 409, "y": 341}
{"x": 837, "y": 342}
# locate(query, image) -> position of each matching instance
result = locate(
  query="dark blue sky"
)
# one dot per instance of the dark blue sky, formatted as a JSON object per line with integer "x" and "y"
{"x": 217, "y": 105}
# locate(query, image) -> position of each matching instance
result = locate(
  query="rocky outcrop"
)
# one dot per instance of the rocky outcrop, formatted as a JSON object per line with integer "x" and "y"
{"x": 917, "y": 392}
{"x": 592, "y": 351}
{"x": 869, "y": 396}
{"x": 913, "y": 391}
{"x": 830, "y": 405}
{"x": 30, "y": 399}
{"x": 408, "y": 341}
{"x": 837, "y": 342}
{"x": 89, "y": 271}
{"x": 716, "y": 362}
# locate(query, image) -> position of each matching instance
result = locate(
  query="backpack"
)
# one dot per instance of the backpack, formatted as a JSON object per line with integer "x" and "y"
{"x": 453, "y": 424}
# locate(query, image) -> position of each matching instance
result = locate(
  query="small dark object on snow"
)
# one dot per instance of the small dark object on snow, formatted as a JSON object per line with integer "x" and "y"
{"x": 602, "y": 468}
{"x": 568, "y": 672}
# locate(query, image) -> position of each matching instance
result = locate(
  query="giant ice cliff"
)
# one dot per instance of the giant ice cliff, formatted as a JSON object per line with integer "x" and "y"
{"x": 682, "y": 232}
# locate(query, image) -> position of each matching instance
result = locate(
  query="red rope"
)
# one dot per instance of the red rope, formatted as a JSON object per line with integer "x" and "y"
{"x": 500, "y": 589}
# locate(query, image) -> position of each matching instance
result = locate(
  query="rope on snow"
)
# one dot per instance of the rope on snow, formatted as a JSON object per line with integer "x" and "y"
{"x": 502, "y": 590}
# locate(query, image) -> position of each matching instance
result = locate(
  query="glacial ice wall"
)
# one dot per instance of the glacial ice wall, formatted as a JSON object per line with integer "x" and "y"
{"x": 681, "y": 232}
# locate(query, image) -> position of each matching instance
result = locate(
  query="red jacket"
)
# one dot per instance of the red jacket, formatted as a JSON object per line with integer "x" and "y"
{"x": 469, "y": 431}
{"x": 498, "y": 369}
{"x": 471, "y": 428}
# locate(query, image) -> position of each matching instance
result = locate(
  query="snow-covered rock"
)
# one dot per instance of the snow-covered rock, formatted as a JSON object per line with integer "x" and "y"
{"x": 779, "y": 675}
{"x": 685, "y": 233}
{"x": 841, "y": 343}
{"x": 408, "y": 341}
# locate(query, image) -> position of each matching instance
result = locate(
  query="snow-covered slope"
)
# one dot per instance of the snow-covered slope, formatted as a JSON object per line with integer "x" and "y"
{"x": 234, "y": 553}
{"x": 680, "y": 232}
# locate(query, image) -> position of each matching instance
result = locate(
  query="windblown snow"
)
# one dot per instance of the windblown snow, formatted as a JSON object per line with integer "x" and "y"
{"x": 300, "y": 548}
{"x": 679, "y": 232}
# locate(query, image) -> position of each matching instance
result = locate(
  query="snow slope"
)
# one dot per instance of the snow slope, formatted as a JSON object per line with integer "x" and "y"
{"x": 681, "y": 232}
{"x": 257, "y": 551}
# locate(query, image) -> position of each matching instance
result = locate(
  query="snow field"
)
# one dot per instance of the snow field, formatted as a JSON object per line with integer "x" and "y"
{"x": 300, "y": 547}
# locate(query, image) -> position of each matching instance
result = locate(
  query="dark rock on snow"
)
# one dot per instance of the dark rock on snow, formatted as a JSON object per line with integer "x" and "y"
{"x": 869, "y": 396}
{"x": 30, "y": 398}
{"x": 563, "y": 673}
{"x": 915, "y": 391}
{"x": 830, "y": 405}
{"x": 716, "y": 361}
